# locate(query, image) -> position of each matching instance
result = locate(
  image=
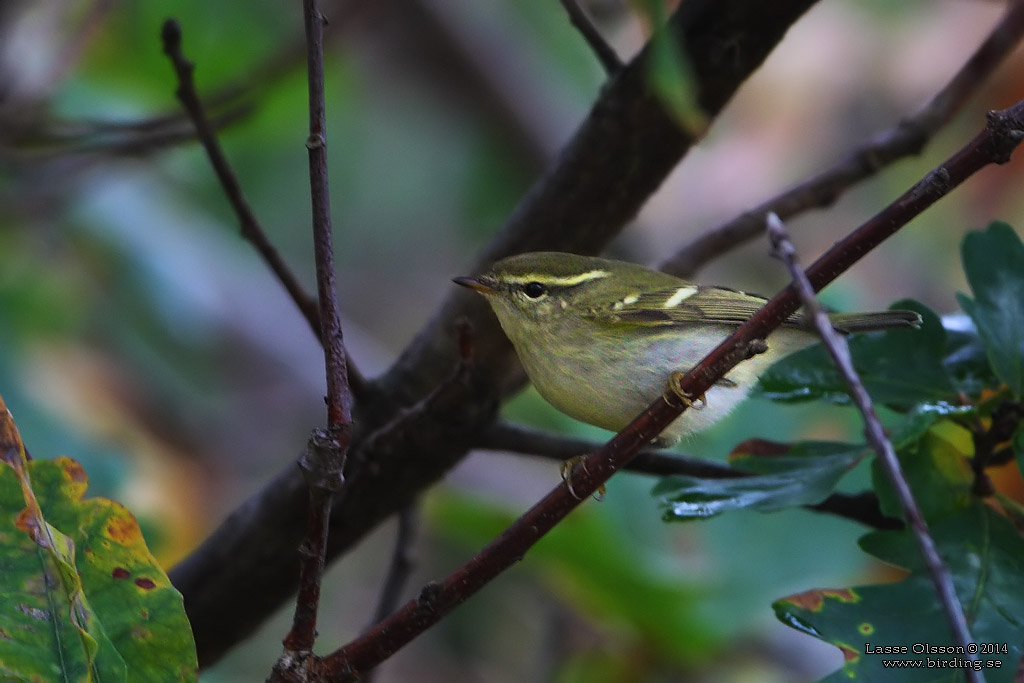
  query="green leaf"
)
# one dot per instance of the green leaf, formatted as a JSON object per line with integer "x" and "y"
{"x": 994, "y": 264}
{"x": 967, "y": 363}
{"x": 899, "y": 367}
{"x": 937, "y": 468}
{"x": 81, "y": 598}
{"x": 785, "y": 476}
{"x": 670, "y": 75}
{"x": 916, "y": 423}
{"x": 985, "y": 556}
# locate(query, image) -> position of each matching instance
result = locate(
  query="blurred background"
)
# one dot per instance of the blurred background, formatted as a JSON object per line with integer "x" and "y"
{"x": 142, "y": 336}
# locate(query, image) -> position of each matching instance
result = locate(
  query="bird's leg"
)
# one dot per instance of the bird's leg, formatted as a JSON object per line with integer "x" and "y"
{"x": 742, "y": 352}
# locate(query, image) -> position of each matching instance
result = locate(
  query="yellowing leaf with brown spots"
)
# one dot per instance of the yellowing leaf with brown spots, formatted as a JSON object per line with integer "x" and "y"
{"x": 81, "y": 597}
{"x": 899, "y": 631}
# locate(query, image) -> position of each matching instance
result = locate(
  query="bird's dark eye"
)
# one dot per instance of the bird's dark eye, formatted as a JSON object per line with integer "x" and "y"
{"x": 534, "y": 290}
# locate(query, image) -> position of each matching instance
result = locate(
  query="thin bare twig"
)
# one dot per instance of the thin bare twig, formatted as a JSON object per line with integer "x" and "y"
{"x": 402, "y": 564}
{"x": 1003, "y": 133}
{"x": 250, "y": 227}
{"x": 28, "y": 137}
{"x": 322, "y": 464}
{"x": 604, "y": 52}
{"x": 907, "y": 138}
{"x": 325, "y": 459}
{"x": 840, "y": 353}
{"x": 339, "y": 402}
{"x": 862, "y": 508}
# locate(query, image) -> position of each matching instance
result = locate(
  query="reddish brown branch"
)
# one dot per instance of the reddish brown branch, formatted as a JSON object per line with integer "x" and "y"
{"x": 993, "y": 145}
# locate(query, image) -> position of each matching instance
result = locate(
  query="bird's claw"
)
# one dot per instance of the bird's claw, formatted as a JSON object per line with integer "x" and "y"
{"x": 568, "y": 467}
{"x": 675, "y": 387}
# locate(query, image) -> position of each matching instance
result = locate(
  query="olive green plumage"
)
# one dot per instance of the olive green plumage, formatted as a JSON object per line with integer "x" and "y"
{"x": 599, "y": 338}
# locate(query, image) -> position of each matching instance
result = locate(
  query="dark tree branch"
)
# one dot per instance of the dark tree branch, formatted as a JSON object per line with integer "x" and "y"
{"x": 604, "y": 52}
{"x": 619, "y": 156}
{"x": 508, "y": 437}
{"x": 402, "y": 562}
{"x": 907, "y": 138}
{"x": 840, "y": 354}
{"x": 862, "y": 508}
{"x": 990, "y": 443}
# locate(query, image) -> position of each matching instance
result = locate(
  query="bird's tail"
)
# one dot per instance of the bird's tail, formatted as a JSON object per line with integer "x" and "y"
{"x": 848, "y": 323}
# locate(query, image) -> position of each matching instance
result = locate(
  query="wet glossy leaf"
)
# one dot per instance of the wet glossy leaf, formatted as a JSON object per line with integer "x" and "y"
{"x": 985, "y": 556}
{"x": 899, "y": 367}
{"x": 785, "y": 476}
{"x": 994, "y": 264}
{"x": 916, "y": 423}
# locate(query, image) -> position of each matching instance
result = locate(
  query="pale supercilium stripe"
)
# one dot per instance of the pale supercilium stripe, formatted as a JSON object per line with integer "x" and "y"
{"x": 566, "y": 281}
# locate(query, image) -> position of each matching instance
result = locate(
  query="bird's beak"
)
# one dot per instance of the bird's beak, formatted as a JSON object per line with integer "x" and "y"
{"x": 480, "y": 283}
